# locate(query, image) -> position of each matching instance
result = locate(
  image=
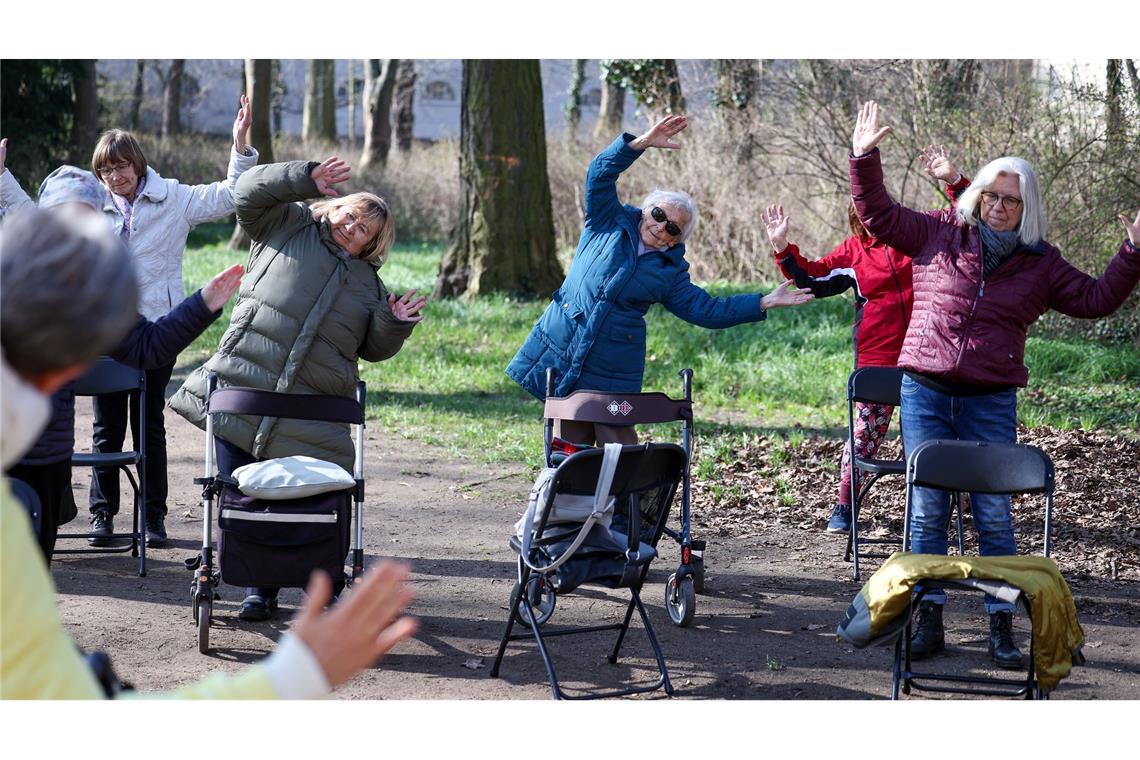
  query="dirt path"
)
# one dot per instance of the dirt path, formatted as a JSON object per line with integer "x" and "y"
{"x": 764, "y": 629}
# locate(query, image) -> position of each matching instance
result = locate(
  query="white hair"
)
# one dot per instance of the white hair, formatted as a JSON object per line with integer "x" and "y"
{"x": 678, "y": 200}
{"x": 1034, "y": 226}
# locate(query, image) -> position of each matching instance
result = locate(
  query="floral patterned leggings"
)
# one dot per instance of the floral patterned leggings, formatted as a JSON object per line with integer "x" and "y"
{"x": 871, "y": 422}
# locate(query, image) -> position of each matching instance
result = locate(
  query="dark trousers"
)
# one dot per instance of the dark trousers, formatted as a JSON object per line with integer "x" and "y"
{"x": 52, "y": 483}
{"x": 110, "y": 430}
{"x": 231, "y": 457}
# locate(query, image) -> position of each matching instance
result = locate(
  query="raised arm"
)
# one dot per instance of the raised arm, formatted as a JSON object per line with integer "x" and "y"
{"x": 12, "y": 196}
{"x": 828, "y": 276}
{"x": 266, "y": 196}
{"x": 1077, "y": 294}
{"x": 391, "y": 323}
{"x": 602, "y": 202}
{"x": 203, "y": 203}
{"x": 939, "y": 167}
{"x": 899, "y": 227}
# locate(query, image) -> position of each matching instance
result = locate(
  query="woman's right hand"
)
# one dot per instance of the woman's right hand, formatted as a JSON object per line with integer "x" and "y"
{"x": 660, "y": 134}
{"x": 776, "y": 223}
{"x": 331, "y": 171}
{"x": 867, "y": 133}
{"x": 222, "y": 286}
{"x": 406, "y": 308}
{"x": 938, "y": 165}
{"x": 785, "y": 294}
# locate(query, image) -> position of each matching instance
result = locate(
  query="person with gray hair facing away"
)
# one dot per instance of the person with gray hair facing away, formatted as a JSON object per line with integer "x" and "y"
{"x": 628, "y": 258}
{"x": 46, "y": 467}
{"x": 49, "y": 335}
{"x": 983, "y": 273}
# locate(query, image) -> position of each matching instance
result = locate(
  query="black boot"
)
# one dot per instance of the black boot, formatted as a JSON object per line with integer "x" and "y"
{"x": 1002, "y": 649}
{"x": 102, "y": 528}
{"x": 928, "y": 637}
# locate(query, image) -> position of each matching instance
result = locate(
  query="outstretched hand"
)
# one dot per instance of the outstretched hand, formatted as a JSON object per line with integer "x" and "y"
{"x": 660, "y": 134}
{"x": 331, "y": 171}
{"x": 938, "y": 164}
{"x": 223, "y": 285}
{"x": 361, "y": 628}
{"x": 785, "y": 294}
{"x": 776, "y": 223}
{"x": 405, "y": 308}
{"x": 242, "y": 123}
{"x": 867, "y": 132}
{"x": 1132, "y": 229}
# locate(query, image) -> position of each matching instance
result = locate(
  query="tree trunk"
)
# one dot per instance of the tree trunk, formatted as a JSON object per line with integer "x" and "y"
{"x": 259, "y": 87}
{"x": 351, "y": 126}
{"x": 611, "y": 112}
{"x": 85, "y": 124}
{"x": 172, "y": 99}
{"x": 137, "y": 95}
{"x": 574, "y": 100}
{"x": 405, "y": 98}
{"x": 328, "y": 102}
{"x": 504, "y": 239}
{"x": 278, "y": 94}
{"x": 668, "y": 86}
{"x": 311, "y": 115}
{"x": 736, "y": 83}
{"x": 379, "y": 84}
{"x": 1133, "y": 79}
{"x": 1113, "y": 113}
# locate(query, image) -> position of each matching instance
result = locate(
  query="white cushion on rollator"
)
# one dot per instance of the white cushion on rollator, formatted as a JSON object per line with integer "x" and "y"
{"x": 291, "y": 478}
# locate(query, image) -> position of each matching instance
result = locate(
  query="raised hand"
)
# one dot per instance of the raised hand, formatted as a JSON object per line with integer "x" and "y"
{"x": 938, "y": 164}
{"x": 331, "y": 171}
{"x": 241, "y": 124}
{"x": 1133, "y": 229}
{"x": 3, "y": 153}
{"x": 405, "y": 308}
{"x": 660, "y": 134}
{"x": 867, "y": 132}
{"x": 223, "y": 285}
{"x": 361, "y": 628}
{"x": 776, "y": 223}
{"x": 785, "y": 294}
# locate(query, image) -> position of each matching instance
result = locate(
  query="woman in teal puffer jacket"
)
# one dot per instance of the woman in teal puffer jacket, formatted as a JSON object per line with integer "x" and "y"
{"x": 628, "y": 258}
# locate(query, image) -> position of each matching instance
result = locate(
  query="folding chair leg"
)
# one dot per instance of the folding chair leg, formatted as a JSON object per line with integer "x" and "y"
{"x": 668, "y": 686}
{"x": 621, "y": 632}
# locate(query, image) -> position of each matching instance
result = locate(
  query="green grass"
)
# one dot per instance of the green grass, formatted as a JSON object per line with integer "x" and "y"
{"x": 787, "y": 374}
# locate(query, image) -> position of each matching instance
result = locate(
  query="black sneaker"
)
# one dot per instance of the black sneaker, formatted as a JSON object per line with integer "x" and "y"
{"x": 155, "y": 532}
{"x": 928, "y": 636}
{"x": 254, "y": 609}
{"x": 1002, "y": 649}
{"x": 102, "y": 528}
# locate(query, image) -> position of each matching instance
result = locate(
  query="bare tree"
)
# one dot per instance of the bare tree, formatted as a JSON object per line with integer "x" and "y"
{"x": 611, "y": 111}
{"x": 379, "y": 86}
{"x": 318, "y": 121}
{"x": 258, "y": 82}
{"x": 405, "y": 97}
{"x": 350, "y": 89}
{"x": 85, "y": 123}
{"x": 1113, "y": 111}
{"x": 574, "y": 99}
{"x": 172, "y": 98}
{"x": 504, "y": 238}
{"x": 137, "y": 94}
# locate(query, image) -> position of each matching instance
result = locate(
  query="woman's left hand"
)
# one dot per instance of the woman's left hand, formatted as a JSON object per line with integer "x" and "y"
{"x": 661, "y": 134}
{"x": 241, "y": 125}
{"x": 222, "y": 286}
{"x": 776, "y": 223}
{"x": 405, "y": 308}
{"x": 1133, "y": 228}
{"x": 785, "y": 294}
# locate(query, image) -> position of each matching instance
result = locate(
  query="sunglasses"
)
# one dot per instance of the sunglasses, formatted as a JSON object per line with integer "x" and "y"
{"x": 659, "y": 215}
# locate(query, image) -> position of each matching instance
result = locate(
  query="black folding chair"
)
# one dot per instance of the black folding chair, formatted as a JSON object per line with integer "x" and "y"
{"x": 973, "y": 467}
{"x": 643, "y": 487}
{"x": 874, "y": 385}
{"x": 108, "y": 376}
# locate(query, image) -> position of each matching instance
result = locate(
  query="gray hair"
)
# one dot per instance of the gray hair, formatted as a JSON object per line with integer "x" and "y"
{"x": 1034, "y": 225}
{"x": 70, "y": 292}
{"x": 676, "y": 199}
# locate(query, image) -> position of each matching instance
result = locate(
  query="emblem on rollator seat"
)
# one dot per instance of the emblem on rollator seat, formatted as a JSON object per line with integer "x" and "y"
{"x": 624, "y": 408}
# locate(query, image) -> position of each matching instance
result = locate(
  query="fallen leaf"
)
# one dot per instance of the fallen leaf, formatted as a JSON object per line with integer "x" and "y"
{"x": 473, "y": 663}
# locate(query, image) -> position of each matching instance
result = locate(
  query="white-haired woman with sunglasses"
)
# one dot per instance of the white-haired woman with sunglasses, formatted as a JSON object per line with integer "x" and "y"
{"x": 628, "y": 258}
{"x": 983, "y": 273}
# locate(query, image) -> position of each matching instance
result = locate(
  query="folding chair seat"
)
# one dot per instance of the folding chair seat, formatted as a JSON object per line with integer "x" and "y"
{"x": 975, "y": 467}
{"x": 109, "y": 376}
{"x": 643, "y": 485}
{"x": 874, "y": 385}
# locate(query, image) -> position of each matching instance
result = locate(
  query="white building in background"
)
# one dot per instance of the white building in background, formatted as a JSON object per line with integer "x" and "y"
{"x": 211, "y": 88}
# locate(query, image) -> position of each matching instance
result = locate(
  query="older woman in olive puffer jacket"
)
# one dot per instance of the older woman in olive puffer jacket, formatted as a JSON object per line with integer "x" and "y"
{"x": 310, "y": 306}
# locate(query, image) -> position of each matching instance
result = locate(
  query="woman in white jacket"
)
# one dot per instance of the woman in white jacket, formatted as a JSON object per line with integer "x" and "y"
{"x": 153, "y": 215}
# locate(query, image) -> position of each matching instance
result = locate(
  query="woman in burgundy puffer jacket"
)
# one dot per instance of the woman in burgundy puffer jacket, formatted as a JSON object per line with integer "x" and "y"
{"x": 983, "y": 273}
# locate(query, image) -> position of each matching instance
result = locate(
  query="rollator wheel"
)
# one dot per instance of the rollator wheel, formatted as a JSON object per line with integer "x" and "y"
{"x": 542, "y": 597}
{"x": 680, "y": 600}
{"x": 205, "y": 609}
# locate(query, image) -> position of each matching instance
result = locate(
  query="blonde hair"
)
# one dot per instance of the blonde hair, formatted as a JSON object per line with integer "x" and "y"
{"x": 370, "y": 208}
{"x": 116, "y": 146}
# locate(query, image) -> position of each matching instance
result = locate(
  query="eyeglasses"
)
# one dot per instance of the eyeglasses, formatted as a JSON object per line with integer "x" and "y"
{"x": 107, "y": 171}
{"x": 659, "y": 215}
{"x": 1008, "y": 202}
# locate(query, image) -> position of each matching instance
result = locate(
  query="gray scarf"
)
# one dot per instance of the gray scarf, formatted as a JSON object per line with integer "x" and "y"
{"x": 996, "y": 246}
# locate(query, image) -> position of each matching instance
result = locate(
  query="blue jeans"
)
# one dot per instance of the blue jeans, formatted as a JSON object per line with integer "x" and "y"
{"x": 927, "y": 415}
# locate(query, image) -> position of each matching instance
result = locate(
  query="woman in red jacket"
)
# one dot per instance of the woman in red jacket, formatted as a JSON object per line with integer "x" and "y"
{"x": 881, "y": 279}
{"x": 983, "y": 273}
